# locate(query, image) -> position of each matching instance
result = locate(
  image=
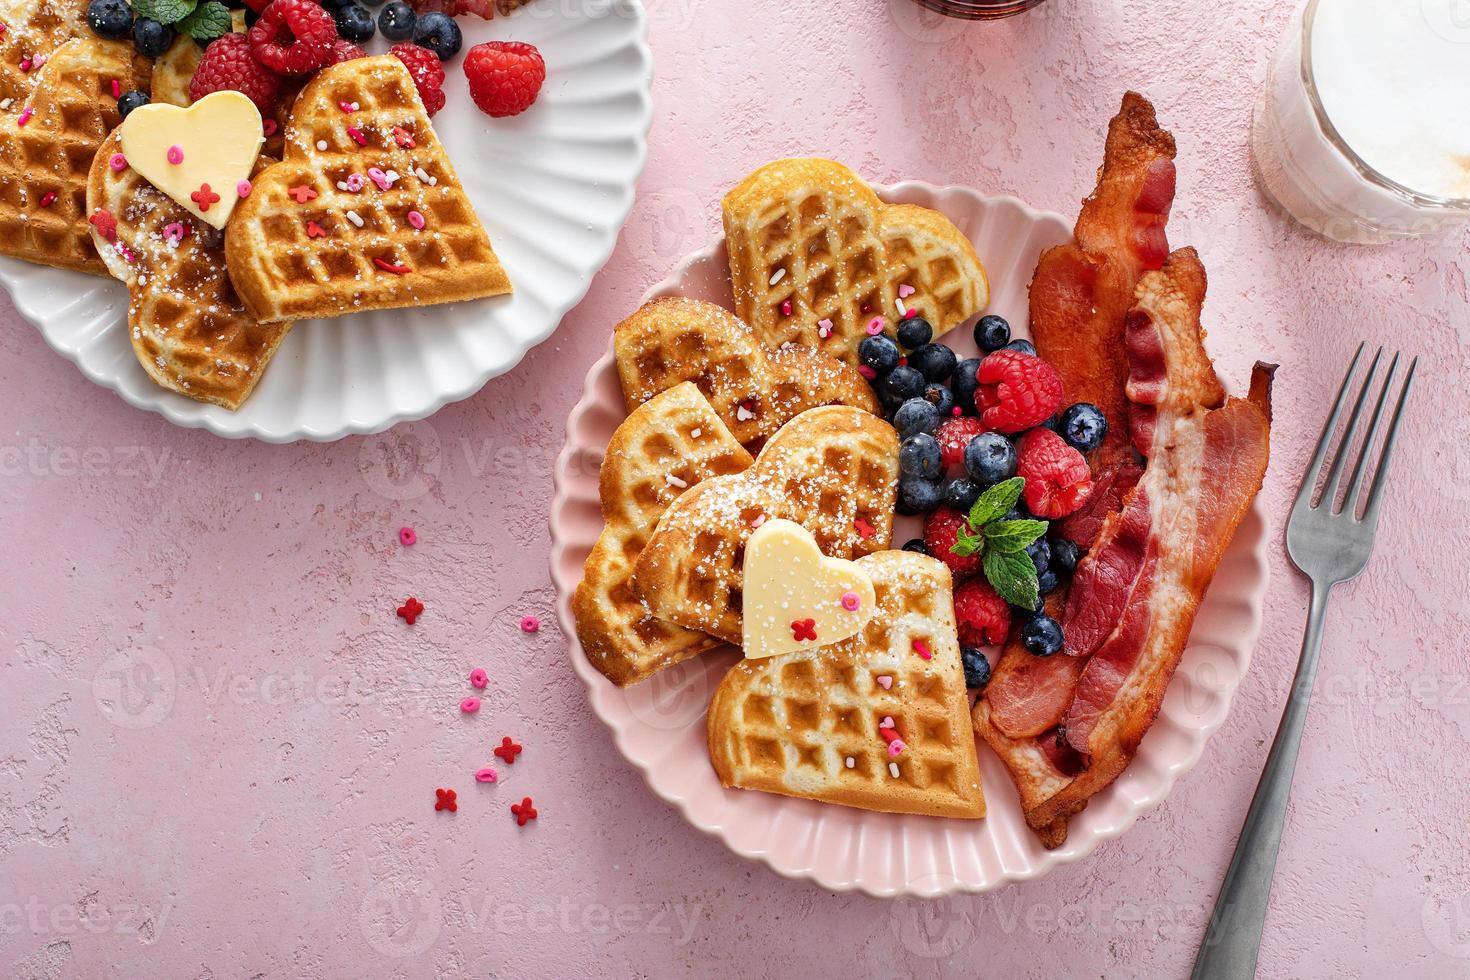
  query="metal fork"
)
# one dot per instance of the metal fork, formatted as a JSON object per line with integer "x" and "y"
{"x": 1329, "y": 542}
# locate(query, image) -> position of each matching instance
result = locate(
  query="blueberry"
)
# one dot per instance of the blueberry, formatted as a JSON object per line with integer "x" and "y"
{"x": 110, "y": 18}
{"x": 1047, "y": 581}
{"x": 914, "y": 332}
{"x": 916, "y": 545}
{"x": 151, "y": 38}
{"x": 963, "y": 384}
{"x": 355, "y": 23}
{"x": 961, "y": 493}
{"x": 439, "y": 33}
{"x": 903, "y": 382}
{"x": 1065, "y": 555}
{"x": 1042, "y": 635}
{"x": 977, "y": 667}
{"x": 1024, "y": 346}
{"x": 990, "y": 458}
{"x": 914, "y": 416}
{"x": 992, "y": 333}
{"x": 879, "y": 353}
{"x": 396, "y": 21}
{"x": 1084, "y": 427}
{"x": 129, "y": 101}
{"x": 1039, "y": 551}
{"x": 919, "y": 455}
{"x": 934, "y": 361}
{"x": 1020, "y": 512}
{"x": 371, "y": 3}
{"x": 917, "y": 495}
{"x": 1054, "y": 424}
{"x": 940, "y": 397}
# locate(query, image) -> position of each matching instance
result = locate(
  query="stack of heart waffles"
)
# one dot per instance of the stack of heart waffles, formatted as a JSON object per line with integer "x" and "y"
{"x": 817, "y": 258}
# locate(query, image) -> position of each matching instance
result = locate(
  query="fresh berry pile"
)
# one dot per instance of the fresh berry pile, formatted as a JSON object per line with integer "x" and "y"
{"x": 297, "y": 37}
{"x": 989, "y": 454}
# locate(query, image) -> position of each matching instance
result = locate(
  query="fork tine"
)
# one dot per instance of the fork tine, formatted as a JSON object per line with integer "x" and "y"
{"x": 1380, "y": 478}
{"x": 1360, "y": 468}
{"x": 1309, "y": 482}
{"x": 1332, "y": 484}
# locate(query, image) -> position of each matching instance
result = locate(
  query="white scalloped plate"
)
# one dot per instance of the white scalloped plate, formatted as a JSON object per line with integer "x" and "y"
{"x": 659, "y": 725}
{"x": 553, "y": 187}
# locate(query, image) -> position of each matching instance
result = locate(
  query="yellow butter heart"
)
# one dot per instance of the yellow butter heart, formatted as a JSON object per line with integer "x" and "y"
{"x": 795, "y": 597}
{"x": 214, "y": 141}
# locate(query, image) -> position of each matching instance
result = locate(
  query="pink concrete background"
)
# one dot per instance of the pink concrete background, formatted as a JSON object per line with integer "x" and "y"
{"x": 219, "y": 745}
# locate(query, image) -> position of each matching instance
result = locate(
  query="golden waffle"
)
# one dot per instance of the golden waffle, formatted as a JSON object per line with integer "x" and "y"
{"x": 68, "y": 109}
{"x": 188, "y": 328}
{"x": 671, "y": 442}
{"x": 832, "y": 470}
{"x": 283, "y": 270}
{"x": 753, "y": 389}
{"x": 815, "y": 256}
{"x": 808, "y": 723}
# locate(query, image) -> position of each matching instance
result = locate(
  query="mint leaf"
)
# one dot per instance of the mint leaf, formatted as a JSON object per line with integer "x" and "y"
{"x": 966, "y": 543}
{"x": 208, "y": 21}
{"x": 996, "y": 502}
{"x": 164, "y": 11}
{"x": 1013, "y": 576}
{"x": 1009, "y": 537}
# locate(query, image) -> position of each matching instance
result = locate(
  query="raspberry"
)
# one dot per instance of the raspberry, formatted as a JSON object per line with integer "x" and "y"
{"x": 983, "y": 617}
{"x": 954, "y": 435}
{"x": 293, "y": 37}
{"x": 427, "y": 72}
{"x": 505, "y": 76}
{"x": 343, "y": 50}
{"x": 1016, "y": 391}
{"x": 1057, "y": 478}
{"x": 941, "y": 527}
{"x": 228, "y": 64}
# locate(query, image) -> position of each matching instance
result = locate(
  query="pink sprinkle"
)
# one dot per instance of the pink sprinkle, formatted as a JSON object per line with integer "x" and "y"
{"x": 346, "y": 107}
{"x": 3, "y": 27}
{"x": 175, "y": 231}
{"x": 850, "y": 600}
{"x": 48, "y": 199}
{"x": 896, "y": 746}
{"x": 268, "y": 127}
{"x": 117, "y": 162}
{"x": 922, "y": 649}
{"x": 957, "y": 411}
{"x": 887, "y": 722}
{"x": 175, "y": 154}
{"x": 25, "y": 116}
{"x": 469, "y": 705}
{"x": 355, "y": 182}
{"x": 786, "y": 307}
{"x": 478, "y": 678}
{"x": 116, "y": 89}
{"x": 905, "y": 291}
{"x": 128, "y": 255}
{"x": 415, "y": 219}
{"x": 25, "y": 64}
{"x": 378, "y": 177}
{"x": 357, "y": 136}
{"x": 530, "y": 624}
{"x": 759, "y": 520}
{"x": 407, "y": 537}
{"x": 243, "y": 189}
{"x": 910, "y": 312}
{"x": 824, "y": 328}
{"x": 867, "y": 372}
{"x": 885, "y": 682}
{"x": 875, "y": 326}
{"x": 486, "y": 775}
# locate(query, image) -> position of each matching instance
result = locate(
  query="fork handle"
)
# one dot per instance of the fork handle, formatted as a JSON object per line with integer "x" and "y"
{"x": 1233, "y": 937}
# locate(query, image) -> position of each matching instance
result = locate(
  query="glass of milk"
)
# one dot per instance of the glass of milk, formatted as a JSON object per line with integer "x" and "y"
{"x": 1362, "y": 132}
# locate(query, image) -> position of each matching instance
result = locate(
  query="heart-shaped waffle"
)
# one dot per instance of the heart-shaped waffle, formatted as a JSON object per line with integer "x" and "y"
{"x": 53, "y": 115}
{"x": 833, "y": 470}
{"x": 878, "y": 720}
{"x": 793, "y": 597}
{"x": 189, "y": 330}
{"x": 305, "y": 244}
{"x": 754, "y": 389}
{"x": 816, "y": 256}
{"x": 671, "y": 442}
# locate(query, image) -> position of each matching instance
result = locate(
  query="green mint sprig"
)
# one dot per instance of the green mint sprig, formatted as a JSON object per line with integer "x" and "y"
{"x": 205, "y": 21}
{"x": 1002, "y": 543}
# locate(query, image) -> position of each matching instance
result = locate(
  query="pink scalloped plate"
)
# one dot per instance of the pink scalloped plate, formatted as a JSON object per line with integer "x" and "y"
{"x": 659, "y": 725}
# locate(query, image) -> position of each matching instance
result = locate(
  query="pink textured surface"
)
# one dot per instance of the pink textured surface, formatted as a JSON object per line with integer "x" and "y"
{"x": 273, "y": 815}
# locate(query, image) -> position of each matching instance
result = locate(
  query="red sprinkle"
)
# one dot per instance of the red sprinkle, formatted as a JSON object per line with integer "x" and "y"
{"x": 922, "y": 649}
{"x": 25, "y": 116}
{"x": 357, "y": 136}
{"x": 387, "y": 266}
{"x": 864, "y": 528}
{"x": 105, "y": 223}
{"x": 445, "y": 800}
{"x": 403, "y": 137}
{"x": 48, "y": 199}
{"x": 25, "y": 64}
{"x": 804, "y": 629}
{"x": 314, "y": 230}
{"x": 204, "y": 197}
{"x": 410, "y": 610}
{"x": 889, "y": 734}
{"x": 302, "y": 194}
{"x": 346, "y": 107}
{"x": 786, "y": 307}
{"x": 508, "y": 750}
{"x": 911, "y": 312}
{"x": 116, "y": 89}
{"x": 524, "y": 811}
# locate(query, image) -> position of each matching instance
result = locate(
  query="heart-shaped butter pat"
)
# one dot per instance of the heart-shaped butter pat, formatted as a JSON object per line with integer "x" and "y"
{"x": 213, "y": 142}
{"x": 794, "y": 597}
